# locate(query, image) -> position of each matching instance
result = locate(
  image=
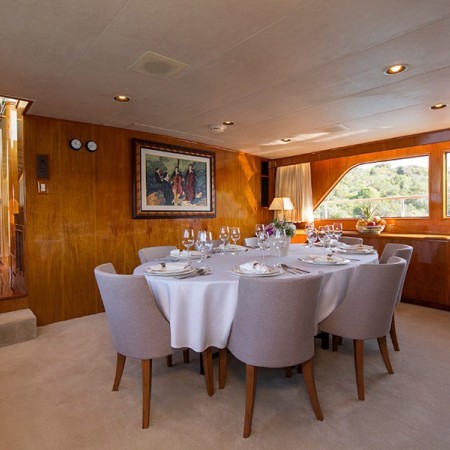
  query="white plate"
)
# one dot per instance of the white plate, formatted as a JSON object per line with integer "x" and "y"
{"x": 183, "y": 255}
{"x": 169, "y": 269}
{"x": 273, "y": 272}
{"x": 356, "y": 252}
{"x": 324, "y": 260}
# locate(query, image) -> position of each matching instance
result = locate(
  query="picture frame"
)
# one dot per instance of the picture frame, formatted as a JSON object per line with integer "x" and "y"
{"x": 172, "y": 181}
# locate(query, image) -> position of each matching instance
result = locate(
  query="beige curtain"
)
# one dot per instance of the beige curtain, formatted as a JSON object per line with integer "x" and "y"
{"x": 295, "y": 182}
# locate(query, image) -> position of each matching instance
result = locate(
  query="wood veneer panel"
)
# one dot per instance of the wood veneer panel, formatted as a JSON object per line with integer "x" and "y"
{"x": 86, "y": 218}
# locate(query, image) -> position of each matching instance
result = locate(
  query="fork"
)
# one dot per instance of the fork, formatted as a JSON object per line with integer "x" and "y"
{"x": 293, "y": 269}
{"x": 197, "y": 272}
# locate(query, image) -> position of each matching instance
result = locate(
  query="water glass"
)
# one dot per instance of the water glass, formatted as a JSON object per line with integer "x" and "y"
{"x": 323, "y": 236}
{"x": 279, "y": 240}
{"x": 263, "y": 243}
{"x": 338, "y": 229}
{"x": 311, "y": 237}
{"x": 224, "y": 235}
{"x": 235, "y": 235}
{"x": 188, "y": 240}
{"x": 205, "y": 245}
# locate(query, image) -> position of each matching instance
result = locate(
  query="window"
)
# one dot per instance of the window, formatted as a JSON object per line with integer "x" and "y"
{"x": 395, "y": 188}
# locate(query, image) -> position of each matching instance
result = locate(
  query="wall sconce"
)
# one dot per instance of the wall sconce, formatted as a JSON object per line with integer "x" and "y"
{"x": 281, "y": 204}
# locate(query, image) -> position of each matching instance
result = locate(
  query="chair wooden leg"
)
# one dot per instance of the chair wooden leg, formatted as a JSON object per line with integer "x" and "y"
{"x": 393, "y": 334}
{"x": 169, "y": 360}
{"x": 358, "y": 350}
{"x": 288, "y": 371}
{"x": 223, "y": 353}
{"x": 308, "y": 375}
{"x": 385, "y": 354}
{"x": 146, "y": 391}
{"x": 299, "y": 368}
{"x": 186, "y": 356}
{"x": 251, "y": 372}
{"x": 334, "y": 343}
{"x": 120, "y": 364}
{"x": 207, "y": 365}
{"x": 339, "y": 340}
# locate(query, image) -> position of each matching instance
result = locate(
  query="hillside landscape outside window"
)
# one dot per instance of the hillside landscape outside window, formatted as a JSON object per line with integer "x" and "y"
{"x": 395, "y": 188}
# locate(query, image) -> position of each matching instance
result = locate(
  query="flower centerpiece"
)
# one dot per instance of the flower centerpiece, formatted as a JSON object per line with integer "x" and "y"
{"x": 288, "y": 227}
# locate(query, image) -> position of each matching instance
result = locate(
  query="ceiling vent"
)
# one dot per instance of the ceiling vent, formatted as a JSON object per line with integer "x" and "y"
{"x": 153, "y": 64}
{"x": 217, "y": 128}
{"x": 335, "y": 128}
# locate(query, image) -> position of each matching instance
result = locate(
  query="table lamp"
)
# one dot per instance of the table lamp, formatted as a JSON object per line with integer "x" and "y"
{"x": 281, "y": 204}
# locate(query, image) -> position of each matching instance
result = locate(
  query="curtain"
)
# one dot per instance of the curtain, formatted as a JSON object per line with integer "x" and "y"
{"x": 295, "y": 182}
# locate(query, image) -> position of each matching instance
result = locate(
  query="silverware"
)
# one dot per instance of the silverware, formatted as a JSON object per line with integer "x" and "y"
{"x": 195, "y": 273}
{"x": 293, "y": 269}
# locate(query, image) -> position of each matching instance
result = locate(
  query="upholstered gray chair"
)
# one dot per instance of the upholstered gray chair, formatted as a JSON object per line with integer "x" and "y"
{"x": 405, "y": 252}
{"x": 138, "y": 328}
{"x": 274, "y": 326}
{"x": 149, "y": 253}
{"x": 366, "y": 311}
{"x": 351, "y": 240}
{"x": 251, "y": 241}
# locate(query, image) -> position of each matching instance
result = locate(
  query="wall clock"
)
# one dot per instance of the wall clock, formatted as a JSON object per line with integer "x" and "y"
{"x": 75, "y": 144}
{"x": 91, "y": 146}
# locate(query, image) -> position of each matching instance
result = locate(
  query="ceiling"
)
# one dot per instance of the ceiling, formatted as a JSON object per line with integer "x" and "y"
{"x": 308, "y": 70}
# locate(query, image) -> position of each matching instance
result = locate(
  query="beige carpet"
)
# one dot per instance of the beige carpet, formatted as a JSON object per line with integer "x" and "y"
{"x": 55, "y": 393}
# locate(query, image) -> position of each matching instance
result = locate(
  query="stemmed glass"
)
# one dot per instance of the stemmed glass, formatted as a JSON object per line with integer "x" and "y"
{"x": 263, "y": 243}
{"x": 188, "y": 241}
{"x": 322, "y": 234}
{"x": 205, "y": 245}
{"x": 224, "y": 234}
{"x": 338, "y": 229}
{"x": 279, "y": 240}
{"x": 259, "y": 228}
{"x": 311, "y": 237}
{"x": 235, "y": 235}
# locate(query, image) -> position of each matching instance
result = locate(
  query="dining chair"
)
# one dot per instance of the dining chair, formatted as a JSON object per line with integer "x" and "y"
{"x": 351, "y": 240}
{"x": 274, "y": 326}
{"x": 251, "y": 241}
{"x": 138, "y": 329}
{"x": 366, "y": 311}
{"x": 149, "y": 253}
{"x": 405, "y": 252}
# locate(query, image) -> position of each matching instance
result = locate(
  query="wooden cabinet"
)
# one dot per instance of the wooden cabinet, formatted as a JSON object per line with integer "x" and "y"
{"x": 427, "y": 282}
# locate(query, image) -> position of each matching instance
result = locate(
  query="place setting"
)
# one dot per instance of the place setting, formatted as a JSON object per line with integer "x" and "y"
{"x": 327, "y": 260}
{"x": 175, "y": 270}
{"x": 257, "y": 269}
{"x": 357, "y": 249}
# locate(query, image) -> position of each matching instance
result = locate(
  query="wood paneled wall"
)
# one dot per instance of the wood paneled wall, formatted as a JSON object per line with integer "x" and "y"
{"x": 86, "y": 219}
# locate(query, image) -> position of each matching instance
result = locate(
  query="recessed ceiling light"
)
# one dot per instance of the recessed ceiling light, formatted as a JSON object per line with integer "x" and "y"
{"x": 395, "y": 69}
{"x": 285, "y": 140}
{"x": 122, "y": 98}
{"x": 438, "y": 106}
{"x": 228, "y": 122}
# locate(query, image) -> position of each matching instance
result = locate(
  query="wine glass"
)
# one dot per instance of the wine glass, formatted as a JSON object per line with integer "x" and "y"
{"x": 338, "y": 229}
{"x": 224, "y": 234}
{"x": 259, "y": 228}
{"x": 323, "y": 237}
{"x": 311, "y": 237}
{"x": 279, "y": 240}
{"x": 205, "y": 245}
{"x": 263, "y": 243}
{"x": 235, "y": 234}
{"x": 188, "y": 240}
{"x": 329, "y": 229}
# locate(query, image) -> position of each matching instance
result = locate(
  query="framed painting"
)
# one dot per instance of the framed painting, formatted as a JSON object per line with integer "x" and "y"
{"x": 171, "y": 181}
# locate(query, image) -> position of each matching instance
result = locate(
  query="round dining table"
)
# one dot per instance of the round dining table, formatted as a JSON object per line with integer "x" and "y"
{"x": 201, "y": 309}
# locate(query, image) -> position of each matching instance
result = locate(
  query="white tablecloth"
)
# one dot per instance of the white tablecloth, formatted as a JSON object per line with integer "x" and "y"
{"x": 201, "y": 309}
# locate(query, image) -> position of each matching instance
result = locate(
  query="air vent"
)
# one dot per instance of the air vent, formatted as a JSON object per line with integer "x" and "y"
{"x": 335, "y": 128}
{"x": 153, "y": 64}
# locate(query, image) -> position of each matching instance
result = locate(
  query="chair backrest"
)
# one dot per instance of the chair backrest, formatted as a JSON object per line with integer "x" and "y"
{"x": 275, "y": 321}
{"x": 137, "y": 326}
{"x": 148, "y": 253}
{"x": 402, "y": 251}
{"x": 251, "y": 241}
{"x": 367, "y": 308}
{"x": 351, "y": 240}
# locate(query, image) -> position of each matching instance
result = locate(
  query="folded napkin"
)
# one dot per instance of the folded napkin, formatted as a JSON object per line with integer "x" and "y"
{"x": 179, "y": 253}
{"x": 328, "y": 258}
{"x": 254, "y": 266}
{"x": 358, "y": 247}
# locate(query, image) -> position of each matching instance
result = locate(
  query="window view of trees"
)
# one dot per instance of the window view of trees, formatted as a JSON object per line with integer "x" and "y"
{"x": 395, "y": 188}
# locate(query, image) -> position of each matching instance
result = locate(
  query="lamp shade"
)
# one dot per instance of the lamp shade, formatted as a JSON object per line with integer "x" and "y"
{"x": 281, "y": 204}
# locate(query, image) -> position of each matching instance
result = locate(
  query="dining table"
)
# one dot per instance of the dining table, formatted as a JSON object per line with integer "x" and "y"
{"x": 201, "y": 309}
